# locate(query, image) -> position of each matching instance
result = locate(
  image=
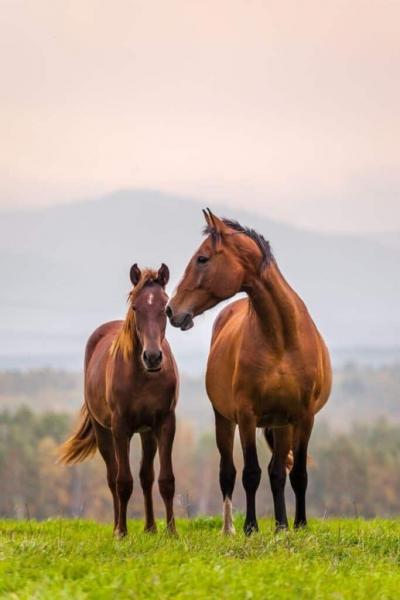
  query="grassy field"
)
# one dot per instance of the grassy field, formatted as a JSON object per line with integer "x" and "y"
{"x": 80, "y": 559}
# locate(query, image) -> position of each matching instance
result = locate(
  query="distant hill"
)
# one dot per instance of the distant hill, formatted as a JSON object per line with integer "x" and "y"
{"x": 65, "y": 269}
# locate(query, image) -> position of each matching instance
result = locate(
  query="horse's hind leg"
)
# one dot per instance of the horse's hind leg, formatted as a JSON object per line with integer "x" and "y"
{"x": 251, "y": 472}
{"x": 298, "y": 474}
{"x": 166, "y": 479}
{"x": 225, "y": 433}
{"x": 105, "y": 445}
{"x": 282, "y": 441}
{"x": 122, "y": 440}
{"x": 149, "y": 449}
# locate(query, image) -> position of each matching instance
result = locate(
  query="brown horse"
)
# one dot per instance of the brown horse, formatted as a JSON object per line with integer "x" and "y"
{"x": 131, "y": 386}
{"x": 268, "y": 366}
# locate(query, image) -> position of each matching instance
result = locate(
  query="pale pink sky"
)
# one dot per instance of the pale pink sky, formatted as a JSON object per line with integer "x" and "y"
{"x": 288, "y": 107}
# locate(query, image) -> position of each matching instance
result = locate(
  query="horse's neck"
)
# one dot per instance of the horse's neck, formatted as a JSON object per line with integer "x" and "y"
{"x": 276, "y": 307}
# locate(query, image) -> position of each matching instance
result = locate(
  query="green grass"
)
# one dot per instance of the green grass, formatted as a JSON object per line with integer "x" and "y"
{"x": 77, "y": 559}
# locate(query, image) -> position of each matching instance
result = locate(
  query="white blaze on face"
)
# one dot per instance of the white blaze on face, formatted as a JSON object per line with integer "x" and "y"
{"x": 150, "y": 299}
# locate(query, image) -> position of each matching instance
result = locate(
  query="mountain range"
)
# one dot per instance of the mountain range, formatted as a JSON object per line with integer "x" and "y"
{"x": 65, "y": 269}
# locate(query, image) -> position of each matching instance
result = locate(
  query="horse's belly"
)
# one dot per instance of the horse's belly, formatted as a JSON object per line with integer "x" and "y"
{"x": 273, "y": 420}
{"x": 270, "y": 392}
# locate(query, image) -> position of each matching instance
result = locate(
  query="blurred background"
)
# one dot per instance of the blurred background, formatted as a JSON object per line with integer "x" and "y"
{"x": 120, "y": 121}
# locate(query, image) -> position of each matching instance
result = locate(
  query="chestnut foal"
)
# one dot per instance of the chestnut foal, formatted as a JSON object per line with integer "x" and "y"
{"x": 268, "y": 366}
{"x": 131, "y": 386}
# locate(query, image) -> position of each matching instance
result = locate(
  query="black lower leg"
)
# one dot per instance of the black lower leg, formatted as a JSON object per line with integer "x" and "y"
{"x": 299, "y": 484}
{"x": 277, "y": 477}
{"x": 251, "y": 472}
{"x": 298, "y": 475}
{"x": 227, "y": 478}
{"x": 251, "y": 480}
{"x": 282, "y": 441}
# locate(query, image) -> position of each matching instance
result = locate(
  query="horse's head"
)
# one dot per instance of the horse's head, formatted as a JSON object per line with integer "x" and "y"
{"x": 148, "y": 301}
{"x": 218, "y": 270}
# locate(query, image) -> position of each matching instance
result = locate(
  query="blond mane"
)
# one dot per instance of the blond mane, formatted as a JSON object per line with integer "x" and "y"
{"x": 124, "y": 340}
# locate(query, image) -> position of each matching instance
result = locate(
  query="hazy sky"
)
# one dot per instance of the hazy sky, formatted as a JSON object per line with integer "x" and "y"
{"x": 291, "y": 108}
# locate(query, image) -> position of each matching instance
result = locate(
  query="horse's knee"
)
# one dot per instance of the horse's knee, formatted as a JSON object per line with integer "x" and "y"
{"x": 167, "y": 487}
{"x": 112, "y": 484}
{"x": 299, "y": 480}
{"x": 124, "y": 488}
{"x": 277, "y": 478}
{"x": 251, "y": 478}
{"x": 146, "y": 479}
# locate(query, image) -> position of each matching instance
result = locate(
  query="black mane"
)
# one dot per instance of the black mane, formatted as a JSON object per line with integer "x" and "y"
{"x": 259, "y": 239}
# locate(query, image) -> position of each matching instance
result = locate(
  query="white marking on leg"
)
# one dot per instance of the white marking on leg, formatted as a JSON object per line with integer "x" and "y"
{"x": 229, "y": 527}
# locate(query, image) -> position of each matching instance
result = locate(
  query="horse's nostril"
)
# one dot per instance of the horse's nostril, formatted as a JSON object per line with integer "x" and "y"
{"x": 152, "y": 359}
{"x": 168, "y": 311}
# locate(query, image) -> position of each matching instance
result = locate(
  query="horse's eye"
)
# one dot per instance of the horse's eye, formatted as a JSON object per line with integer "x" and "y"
{"x": 202, "y": 259}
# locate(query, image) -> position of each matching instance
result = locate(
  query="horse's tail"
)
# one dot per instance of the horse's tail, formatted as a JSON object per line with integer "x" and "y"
{"x": 269, "y": 436}
{"x": 81, "y": 444}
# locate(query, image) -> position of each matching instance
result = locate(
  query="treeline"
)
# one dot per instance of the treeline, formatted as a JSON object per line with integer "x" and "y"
{"x": 352, "y": 473}
{"x": 360, "y": 393}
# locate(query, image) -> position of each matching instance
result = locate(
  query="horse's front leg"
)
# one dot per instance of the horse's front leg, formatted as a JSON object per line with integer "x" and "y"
{"x": 166, "y": 480}
{"x": 225, "y": 433}
{"x": 124, "y": 476}
{"x": 251, "y": 472}
{"x": 149, "y": 449}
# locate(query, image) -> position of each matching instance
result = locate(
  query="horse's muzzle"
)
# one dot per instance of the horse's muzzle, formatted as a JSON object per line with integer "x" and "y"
{"x": 184, "y": 320}
{"x": 152, "y": 360}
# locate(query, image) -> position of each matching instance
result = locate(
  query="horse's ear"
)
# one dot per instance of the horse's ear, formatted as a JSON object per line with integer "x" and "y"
{"x": 216, "y": 223}
{"x": 217, "y": 227}
{"x": 163, "y": 275}
{"x": 207, "y": 217}
{"x": 135, "y": 274}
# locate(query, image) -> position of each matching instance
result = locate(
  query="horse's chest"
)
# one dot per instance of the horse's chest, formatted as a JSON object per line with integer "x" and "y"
{"x": 143, "y": 406}
{"x": 148, "y": 404}
{"x": 143, "y": 416}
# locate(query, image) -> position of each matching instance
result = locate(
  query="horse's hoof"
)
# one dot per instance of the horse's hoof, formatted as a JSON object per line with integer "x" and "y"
{"x": 151, "y": 529}
{"x": 172, "y": 532}
{"x": 300, "y": 525}
{"x": 250, "y": 528}
{"x": 119, "y": 535}
{"x": 281, "y": 527}
{"x": 228, "y": 530}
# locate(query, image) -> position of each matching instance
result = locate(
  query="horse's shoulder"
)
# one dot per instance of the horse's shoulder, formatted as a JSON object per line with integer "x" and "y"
{"x": 232, "y": 310}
